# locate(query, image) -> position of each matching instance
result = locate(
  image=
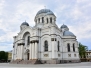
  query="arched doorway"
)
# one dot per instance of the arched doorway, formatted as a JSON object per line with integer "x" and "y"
{"x": 27, "y": 54}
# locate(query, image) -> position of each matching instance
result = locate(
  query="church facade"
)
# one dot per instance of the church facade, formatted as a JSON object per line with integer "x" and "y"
{"x": 45, "y": 41}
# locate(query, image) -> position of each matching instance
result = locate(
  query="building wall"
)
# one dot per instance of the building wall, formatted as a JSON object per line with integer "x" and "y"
{"x": 10, "y": 55}
{"x": 46, "y": 34}
{"x": 38, "y": 34}
{"x": 88, "y": 55}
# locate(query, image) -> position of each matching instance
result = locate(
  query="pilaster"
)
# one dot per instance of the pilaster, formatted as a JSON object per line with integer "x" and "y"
{"x": 36, "y": 50}
{"x": 30, "y": 50}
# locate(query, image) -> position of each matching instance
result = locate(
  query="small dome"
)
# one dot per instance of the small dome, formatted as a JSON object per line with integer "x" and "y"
{"x": 64, "y": 26}
{"x": 44, "y": 11}
{"x": 25, "y": 23}
{"x": 68, "y": 33}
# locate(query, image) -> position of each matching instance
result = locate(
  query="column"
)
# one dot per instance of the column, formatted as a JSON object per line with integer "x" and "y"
{"x": 54, "y": 48}
{"x": 36, "y": 50}
{"x": 40, "y": 20}
{"x": 56, "y": 54}
{"x": 53, "y": 55}
{"x": 18, "y": 52}
{"x": 21, "y": 51}
{"x": 16, "y": 47}
{"x": 33, "y": 51}
{"x": 30, "y": 51}
{"x": 13, "y": 54}
{"x": 53, "y": 20}
{"x": 48, "y": 20}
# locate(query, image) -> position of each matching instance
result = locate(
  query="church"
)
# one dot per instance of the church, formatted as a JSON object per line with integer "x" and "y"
{"x": 45, "y": 42}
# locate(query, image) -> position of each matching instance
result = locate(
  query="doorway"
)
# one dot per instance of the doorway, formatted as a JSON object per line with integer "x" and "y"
{"x": 27, "y": 56}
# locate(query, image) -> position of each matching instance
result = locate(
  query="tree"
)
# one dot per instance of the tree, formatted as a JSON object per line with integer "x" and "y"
{"x": 82, "y": 50}
{"x": 3, "y": 56}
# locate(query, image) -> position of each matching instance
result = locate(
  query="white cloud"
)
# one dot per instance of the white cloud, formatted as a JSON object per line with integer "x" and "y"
{"x": 27, "y": 11}
{"x": 8, "y": 36}
{"x": 77, "y": 16}
{"x": 11, "y": 19}
{"x": 82, "y": 31}
{"x": 83, "y": 1}
{"x": 6, "y": 47}
{"x": 1, "y": 5}
{"x": 74, "y": 13}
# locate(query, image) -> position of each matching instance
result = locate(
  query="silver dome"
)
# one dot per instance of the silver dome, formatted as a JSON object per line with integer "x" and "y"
{"x": 25, "y": 23}
{"x": 68, "y": 33}
{"x": 47, "y": 11}
{"x": 64, "y": 26}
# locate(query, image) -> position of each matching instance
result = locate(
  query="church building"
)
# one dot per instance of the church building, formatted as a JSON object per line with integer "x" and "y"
{"x": 45, "y": 42}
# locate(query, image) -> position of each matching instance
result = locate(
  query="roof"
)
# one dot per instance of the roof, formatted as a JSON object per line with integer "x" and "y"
{"x": 25, "y": 23}
{"x": 68, "y": 33}
{"x": 64, "y": 26}
{"x": 47, "y": 11}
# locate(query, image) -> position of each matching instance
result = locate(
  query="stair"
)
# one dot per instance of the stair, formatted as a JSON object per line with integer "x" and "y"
{"x": 38, "y": 62}
{"x": 15, "y": 61}
{"x": 26, "y": 62}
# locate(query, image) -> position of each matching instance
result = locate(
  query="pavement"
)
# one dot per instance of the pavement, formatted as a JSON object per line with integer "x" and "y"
{"x": 66, "y": 65}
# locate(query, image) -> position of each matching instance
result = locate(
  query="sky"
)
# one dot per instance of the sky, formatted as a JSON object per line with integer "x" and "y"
{"x": 76, "y": 14}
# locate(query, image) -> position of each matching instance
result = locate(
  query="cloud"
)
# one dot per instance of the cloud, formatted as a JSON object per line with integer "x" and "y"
{"x": 76, "y": 14}
{"x": 1, "y": 5}
{"x": 83, "y": 1}
{"x": 12, "y": 18}
{"x": 82, "y": 31}
{"x": 8, "y": 47}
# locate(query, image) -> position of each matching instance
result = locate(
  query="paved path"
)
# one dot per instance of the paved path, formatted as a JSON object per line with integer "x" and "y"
{"x": 70, "y": 65}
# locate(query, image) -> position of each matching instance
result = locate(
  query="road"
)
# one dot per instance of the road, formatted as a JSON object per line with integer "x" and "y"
{"x": 69, "y": 65}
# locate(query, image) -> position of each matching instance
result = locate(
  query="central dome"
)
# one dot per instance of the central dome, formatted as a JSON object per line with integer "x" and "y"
{"x": 48, "y": 11}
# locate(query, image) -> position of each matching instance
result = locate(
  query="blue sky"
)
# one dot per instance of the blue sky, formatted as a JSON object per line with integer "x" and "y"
{"x": 76, "y": 14}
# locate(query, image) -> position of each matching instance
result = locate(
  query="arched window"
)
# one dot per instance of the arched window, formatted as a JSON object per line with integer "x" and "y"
{"x": 42, "y": 19}
{"x": 51, "y": 20}
{"x": 73, "y": 47}
{"x": 68, "y": 47}
{"x": 58, "y": 46}
{"x": 39, "y": 20}
{"x": 28, "y": 40}
{"x": 46, "y": 45}
{"x": 47, "y": 20}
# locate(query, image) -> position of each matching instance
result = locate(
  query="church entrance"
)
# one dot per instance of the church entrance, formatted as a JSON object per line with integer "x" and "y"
{"x": 27, "y": 56}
